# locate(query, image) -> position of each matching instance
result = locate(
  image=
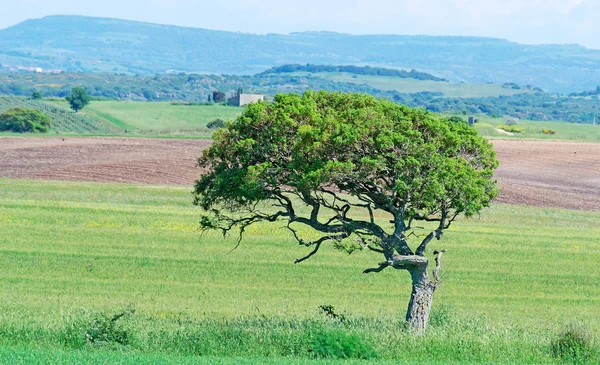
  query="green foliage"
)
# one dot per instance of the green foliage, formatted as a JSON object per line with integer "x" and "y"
{"x": 36, "y": 95}
{"x": 356, "y": 70}
{"x": 219, "y": 97}
{"x": 511, "y": 128}
{"x": 216, "y": 124}
{"x": 573, "y": 344}
{"x": 456, "y": 119}
{"x": 78, "y": 99}
{"x": 22, "y": 120}
{"x": 321, "y": 139}
{"x": 96, "y": 329}
{"x": 340, "y": 345}
{"x": 190, "y": 89}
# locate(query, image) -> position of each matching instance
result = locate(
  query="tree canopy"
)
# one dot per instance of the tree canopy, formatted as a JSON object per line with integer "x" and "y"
{"x": 335, "y": 162}
{"x": 78, "y": 99}
{"x": 24, "y": 120}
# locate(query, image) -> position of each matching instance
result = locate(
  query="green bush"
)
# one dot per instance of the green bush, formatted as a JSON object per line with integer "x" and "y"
{"x": 22, "y": 120}
{"x": 339, "y": 345}
{"x": 97, "y": 329}
{"x": 215, "y": 124}
{"x": 573, "y": 344}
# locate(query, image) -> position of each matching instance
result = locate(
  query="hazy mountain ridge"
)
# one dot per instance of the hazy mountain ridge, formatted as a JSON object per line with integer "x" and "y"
{"x": 102, "y": 44}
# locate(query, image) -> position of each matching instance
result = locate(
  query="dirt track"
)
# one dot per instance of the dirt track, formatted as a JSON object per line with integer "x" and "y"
{"x": 540, "y": 173}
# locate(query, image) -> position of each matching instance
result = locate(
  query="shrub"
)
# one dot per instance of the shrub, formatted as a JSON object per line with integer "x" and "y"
{"x": 36, "y": 95}
{"x": 215, "y": 124}
{"x": 573, "y": 344}
{"x": 97, "y": 329}
{"x": 339, "y": 345}
{"x": 22, "y": 120}
{"x": 548, "y": 131}
{"x": 511, "y": 128}
{"x": 329, "y": 311}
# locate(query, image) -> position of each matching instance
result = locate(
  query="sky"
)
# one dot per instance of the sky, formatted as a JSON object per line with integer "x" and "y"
{"x": 523, "y": 21}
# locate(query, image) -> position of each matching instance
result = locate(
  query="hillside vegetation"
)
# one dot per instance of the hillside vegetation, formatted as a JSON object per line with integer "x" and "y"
{"x": 62, "y": 119}
{"x": 75, "y": 43}
{"x": 510, "y": 99}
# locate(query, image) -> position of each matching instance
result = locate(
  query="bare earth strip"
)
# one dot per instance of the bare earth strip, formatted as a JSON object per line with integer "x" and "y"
{"x": 539, "y": 173}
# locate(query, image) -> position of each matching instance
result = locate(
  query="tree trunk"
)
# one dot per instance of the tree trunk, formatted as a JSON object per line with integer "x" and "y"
{"x": 421, "y": 298}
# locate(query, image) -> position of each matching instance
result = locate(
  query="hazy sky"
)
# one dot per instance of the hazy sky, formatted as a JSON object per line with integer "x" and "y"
{"x": 525, "y": 21}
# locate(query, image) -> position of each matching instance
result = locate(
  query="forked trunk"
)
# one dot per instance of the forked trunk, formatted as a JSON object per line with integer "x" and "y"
{"x": 421, "y": 298}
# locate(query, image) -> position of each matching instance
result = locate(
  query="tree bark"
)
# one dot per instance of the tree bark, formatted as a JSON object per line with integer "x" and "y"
{"x": 421, "y": 298}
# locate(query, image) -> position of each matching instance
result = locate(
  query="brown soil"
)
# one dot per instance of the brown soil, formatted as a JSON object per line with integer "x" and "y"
{"x": 539, "y": 173}
{"x": 131, "y": 160}
{"x": 549, "y": 173}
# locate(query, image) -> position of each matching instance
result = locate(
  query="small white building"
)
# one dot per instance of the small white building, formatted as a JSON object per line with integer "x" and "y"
{"x": 241, "y": 99}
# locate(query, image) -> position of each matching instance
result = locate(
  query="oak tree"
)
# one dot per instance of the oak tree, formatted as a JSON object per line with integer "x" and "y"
{"x": 78, "y": 99}
{"x": 337, "y": 163}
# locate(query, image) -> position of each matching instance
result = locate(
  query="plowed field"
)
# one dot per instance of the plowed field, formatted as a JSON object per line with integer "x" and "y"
{"x": 539, "y": 173}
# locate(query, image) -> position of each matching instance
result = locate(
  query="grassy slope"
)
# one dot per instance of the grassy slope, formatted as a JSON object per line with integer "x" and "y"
{"x": 414, "y": 86}
{"x": 68, "y": 246}
{"x": 104, "y": 246}
{"x": 533, "y": 130}
{"x": 158, "y": 118}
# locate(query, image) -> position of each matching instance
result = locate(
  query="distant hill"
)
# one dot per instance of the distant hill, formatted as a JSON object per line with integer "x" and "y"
{"x": 77, "y": 43}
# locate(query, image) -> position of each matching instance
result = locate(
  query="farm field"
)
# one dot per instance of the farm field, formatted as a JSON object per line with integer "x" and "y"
{"x": 71, "y": 251}
{"x": 533, "y": 130}
{"x": 538, "y": 173}
{"x": 449, "y": 89}
{"x": 160, "y": 118}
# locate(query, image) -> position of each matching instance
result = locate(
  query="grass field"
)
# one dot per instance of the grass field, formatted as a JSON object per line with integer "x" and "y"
{"x": 72, "y": 251}
{"x": 449, "y": 89}
{"x": 533, "y": 130}
{"x": 158, "y": 118}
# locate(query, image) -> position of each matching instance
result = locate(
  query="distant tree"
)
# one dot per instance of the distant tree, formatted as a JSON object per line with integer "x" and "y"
{"x": 354, "y": 171}
{"x": 36, "y": 95}
{"x": 22, "y": 120}
{"x": 78, "y": 99}
{"x": 219, "y": 97}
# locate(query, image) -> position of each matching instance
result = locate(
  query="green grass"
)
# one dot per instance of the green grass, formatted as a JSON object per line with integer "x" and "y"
{"x": 68, "y": 251}
{"x": 158, "y": 118}
{"x": 449, "y": 89}
{"x": 44, "y": 356}
{"x": 533, "y": 130}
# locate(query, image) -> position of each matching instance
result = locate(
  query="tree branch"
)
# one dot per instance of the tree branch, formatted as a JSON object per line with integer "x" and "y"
{"x": 381, "y": 267}
{"x": 435, "y": 234}
{"x": 317, "y": 244}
